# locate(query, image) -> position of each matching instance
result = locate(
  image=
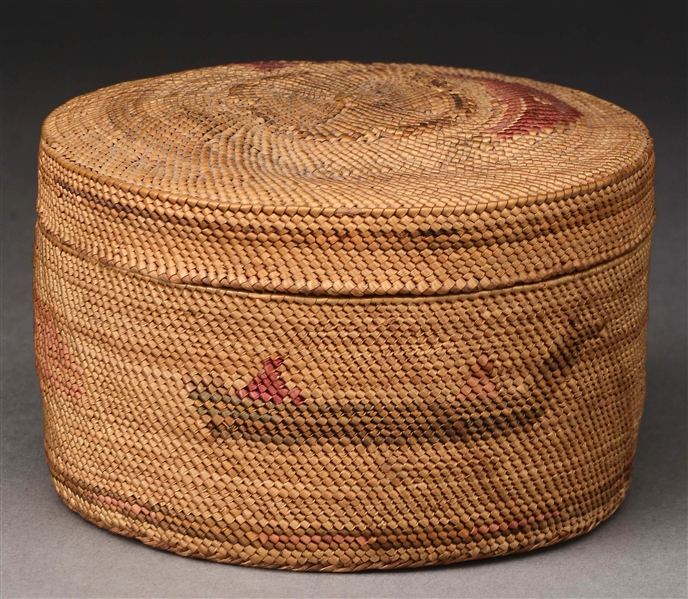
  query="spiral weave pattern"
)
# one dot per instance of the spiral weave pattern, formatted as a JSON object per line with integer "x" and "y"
{"x": 333, "y": 316}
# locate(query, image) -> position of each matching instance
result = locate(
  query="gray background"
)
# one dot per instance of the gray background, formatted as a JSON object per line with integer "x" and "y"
{"x": 633, "y": 54}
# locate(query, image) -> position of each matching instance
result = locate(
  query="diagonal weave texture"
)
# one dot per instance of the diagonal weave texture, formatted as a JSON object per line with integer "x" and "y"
{"x": 333, "y": 316}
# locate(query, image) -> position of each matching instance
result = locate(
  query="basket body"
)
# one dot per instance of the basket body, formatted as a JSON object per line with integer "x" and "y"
{"x": 321, "y": 417}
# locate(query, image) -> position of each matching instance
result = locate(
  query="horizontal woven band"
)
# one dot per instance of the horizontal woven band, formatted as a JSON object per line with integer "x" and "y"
{"x": 346, "y": 180}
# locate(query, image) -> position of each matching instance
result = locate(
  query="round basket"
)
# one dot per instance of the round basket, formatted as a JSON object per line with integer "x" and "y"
{"x": 335, "y": 316}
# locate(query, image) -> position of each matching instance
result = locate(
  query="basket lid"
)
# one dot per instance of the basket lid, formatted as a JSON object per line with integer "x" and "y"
{"x": 345, "y": 179}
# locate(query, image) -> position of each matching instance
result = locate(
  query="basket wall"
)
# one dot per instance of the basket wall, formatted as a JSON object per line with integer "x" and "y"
{"x": 339, "y": 433}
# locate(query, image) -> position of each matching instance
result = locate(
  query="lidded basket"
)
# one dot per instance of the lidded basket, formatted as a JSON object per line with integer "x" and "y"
{"x": 341, "y": 316}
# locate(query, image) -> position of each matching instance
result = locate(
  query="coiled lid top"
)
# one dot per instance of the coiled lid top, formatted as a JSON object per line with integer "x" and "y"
{"x": 346, "y": 179}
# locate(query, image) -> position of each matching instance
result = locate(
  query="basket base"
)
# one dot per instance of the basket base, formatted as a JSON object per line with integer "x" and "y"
{"x": 544, "y": 531}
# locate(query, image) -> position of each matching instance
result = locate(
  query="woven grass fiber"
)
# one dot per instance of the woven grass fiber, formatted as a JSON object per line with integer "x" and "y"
{"x": 336, "y": 316}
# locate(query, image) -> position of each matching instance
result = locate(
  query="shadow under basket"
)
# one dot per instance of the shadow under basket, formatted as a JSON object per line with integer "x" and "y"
{"x": 335, "y": 316}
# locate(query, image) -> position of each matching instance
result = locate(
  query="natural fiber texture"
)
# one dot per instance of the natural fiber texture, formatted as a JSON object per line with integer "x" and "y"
{"x": 340, "y": 316}
{"x": 346, "y": 179}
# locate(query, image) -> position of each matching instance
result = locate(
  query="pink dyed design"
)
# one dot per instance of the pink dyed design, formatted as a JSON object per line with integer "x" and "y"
{"x": 513, "y": 525}
{"x": 55, "y": 365}
{"x": 478, "y": 387}
{"x": 269, "y": 386}
{"x": 622, "y": 479}
{"x": 133, "y": 508}
{"x": 317, "y": 539}
{"x": 527, "y": 109}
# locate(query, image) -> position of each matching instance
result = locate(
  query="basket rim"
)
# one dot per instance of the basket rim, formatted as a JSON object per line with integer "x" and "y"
{"x": 550, "y": 197}
{"x": 644, "y": 240}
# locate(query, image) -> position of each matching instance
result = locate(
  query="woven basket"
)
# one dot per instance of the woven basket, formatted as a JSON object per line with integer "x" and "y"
{"x": 340, "y": 316}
